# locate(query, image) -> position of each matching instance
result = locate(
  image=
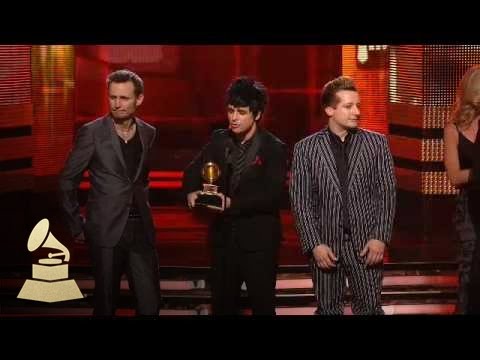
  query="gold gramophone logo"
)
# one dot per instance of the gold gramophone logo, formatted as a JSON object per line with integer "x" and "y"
{"x": 50, "y": 282}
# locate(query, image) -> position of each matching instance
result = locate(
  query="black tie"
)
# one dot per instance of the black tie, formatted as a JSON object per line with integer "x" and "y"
{"x": 239, "y": 165}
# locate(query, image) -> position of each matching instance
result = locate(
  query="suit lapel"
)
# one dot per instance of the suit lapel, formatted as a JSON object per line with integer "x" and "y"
{"x": 326, "y": 150}
{"x": 226, "y": 158}
{"x": 143, "y": 138}
{"x": 115, "y": 142}
{"x": 251, "y": 154}
{"x": 356, "y": 147}
{"x": 253, "y": 151}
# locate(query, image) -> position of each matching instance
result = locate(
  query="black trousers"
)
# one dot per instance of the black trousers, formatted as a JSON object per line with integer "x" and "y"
{"x": 467, "y": 238}
{"x": 137, "y": 258}
{"x": 470, "y": 231}
{"x": 231, "y": 267}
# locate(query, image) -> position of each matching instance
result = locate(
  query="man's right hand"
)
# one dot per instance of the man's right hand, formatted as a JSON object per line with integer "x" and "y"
{"x": 324, "y": 257}
{"x": 79, "y": 239}
{"x": 191, "y": 198}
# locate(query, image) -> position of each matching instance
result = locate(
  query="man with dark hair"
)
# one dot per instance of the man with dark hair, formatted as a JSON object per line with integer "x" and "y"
{"x": 119, "y": 227}
{"x": 246, "y": 232}
{"x": 343, "y": 199}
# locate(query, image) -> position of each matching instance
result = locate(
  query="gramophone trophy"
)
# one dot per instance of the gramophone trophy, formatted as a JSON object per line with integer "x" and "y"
{"x": 210, "y": 197}
{"x": 50, "y": 282}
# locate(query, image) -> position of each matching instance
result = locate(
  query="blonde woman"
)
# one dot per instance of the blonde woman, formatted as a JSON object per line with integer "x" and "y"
{"x": 462, "y": 163}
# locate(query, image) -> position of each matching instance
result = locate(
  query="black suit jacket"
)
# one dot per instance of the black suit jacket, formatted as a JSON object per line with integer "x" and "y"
{"x": 253, "y": 218}
{"x": 97, "y": 148}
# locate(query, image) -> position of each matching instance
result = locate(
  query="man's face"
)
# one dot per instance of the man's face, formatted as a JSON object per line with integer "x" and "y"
{"x": 122, "y": 100}
{"x": 241, "y": 120}
{"x": 346, "y": 113}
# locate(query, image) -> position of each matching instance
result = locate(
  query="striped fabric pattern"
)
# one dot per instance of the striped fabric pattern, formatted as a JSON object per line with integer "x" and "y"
{"x": 316, "y": 198}
{"x": 365, "y": 284}
{"x": 317, "y": 208}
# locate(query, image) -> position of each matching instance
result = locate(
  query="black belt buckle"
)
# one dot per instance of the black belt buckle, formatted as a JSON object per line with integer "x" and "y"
{"x": 133, "y": 213}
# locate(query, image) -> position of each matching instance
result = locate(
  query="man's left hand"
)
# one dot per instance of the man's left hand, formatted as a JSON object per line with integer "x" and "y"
{"x": 374, "y": 250}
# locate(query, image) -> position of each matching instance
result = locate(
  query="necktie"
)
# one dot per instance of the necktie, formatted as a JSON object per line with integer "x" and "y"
{"x": 239, "y": 165}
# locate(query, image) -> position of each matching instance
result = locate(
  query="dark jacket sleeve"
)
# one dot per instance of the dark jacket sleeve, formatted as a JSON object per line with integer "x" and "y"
{"x": 70, "y": 178}
{"x": 154, "y": 136}
{"x": 266, "y": 197}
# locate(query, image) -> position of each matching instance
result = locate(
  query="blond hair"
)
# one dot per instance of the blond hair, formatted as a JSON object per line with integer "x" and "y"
{"x": 467, "y": 104}
{"x": 331, "y": 88}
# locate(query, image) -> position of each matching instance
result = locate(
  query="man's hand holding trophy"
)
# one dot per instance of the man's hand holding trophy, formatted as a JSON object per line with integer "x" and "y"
{"x": 209, "y": 197}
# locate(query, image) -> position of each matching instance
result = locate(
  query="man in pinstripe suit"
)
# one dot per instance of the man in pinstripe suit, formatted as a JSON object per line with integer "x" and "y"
{"x": 343, "y": 199}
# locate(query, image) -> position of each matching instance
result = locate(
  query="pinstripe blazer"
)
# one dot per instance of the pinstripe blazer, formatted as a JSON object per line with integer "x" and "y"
{"x": 316, "y": 196}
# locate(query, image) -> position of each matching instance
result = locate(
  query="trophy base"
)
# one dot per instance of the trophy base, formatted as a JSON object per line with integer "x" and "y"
{"x": 213, "y": 200}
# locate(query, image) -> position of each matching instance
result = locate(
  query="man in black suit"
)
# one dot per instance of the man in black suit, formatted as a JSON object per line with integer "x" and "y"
{"x": 343, "y": 199}
{"x": 119, "y": 225}
{"x": 247, "y": 231}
